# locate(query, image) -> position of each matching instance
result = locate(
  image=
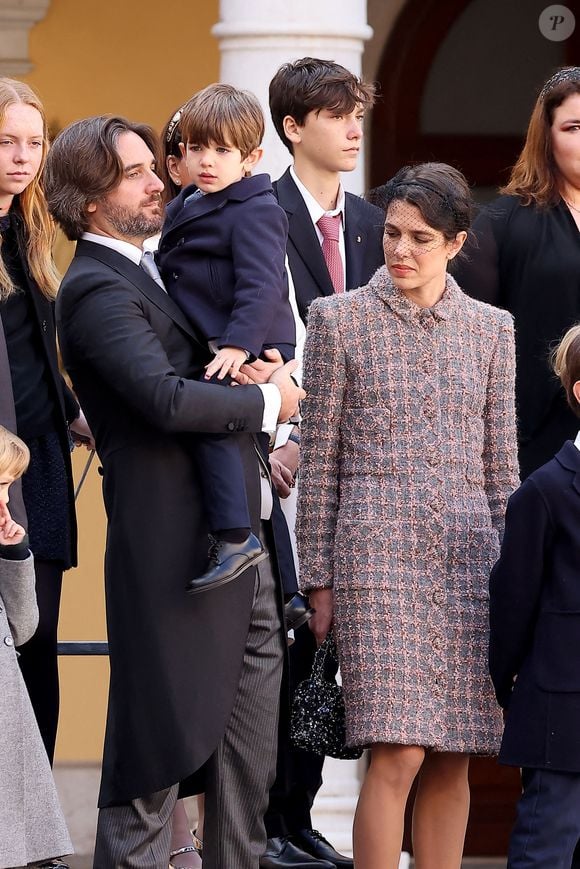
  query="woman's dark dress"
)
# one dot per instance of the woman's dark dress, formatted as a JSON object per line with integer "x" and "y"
{"x": 527, "y": 259}
{"x": 42, "y": 406}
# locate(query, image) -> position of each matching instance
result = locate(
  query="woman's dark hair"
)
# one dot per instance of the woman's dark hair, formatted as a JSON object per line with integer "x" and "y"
{"x": 83, "y": 166}
{"x": 440, "y": 192}
{"x": 169, "y": 143}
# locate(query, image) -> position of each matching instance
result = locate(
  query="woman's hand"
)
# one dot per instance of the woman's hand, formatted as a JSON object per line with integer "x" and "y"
{"x": 10, "y": 531}
{"x": 81, "y": 433}
{"x": 321, "y": 600}
{"x": 284, "y": 464}
{"x": 226, "y": 361}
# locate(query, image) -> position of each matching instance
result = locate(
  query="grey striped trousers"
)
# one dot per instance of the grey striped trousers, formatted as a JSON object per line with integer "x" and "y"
{"x": 136, "y": 835}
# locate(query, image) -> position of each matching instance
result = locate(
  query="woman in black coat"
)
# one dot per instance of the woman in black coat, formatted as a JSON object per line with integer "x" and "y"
{"x": 34, "y": 400}
{"x": 525, "y": 257}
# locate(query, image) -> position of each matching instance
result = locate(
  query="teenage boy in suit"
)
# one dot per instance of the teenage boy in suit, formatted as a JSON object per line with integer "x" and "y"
{"x": 334, "y": 244}
{"x": 194, "y": 682}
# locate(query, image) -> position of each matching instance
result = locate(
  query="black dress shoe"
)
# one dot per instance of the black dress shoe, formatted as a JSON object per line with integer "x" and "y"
{"x": 297, "y": 611}
{"x": 227, "y": 561}
{"x": 315, "y": 844}
{"x": 282, "y": 854}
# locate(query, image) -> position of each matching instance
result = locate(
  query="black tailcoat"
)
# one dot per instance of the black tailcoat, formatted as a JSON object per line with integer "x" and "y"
{"x": 175, "y": 659}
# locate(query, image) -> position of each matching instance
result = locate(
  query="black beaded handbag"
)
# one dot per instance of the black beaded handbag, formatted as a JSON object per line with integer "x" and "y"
{"x": 317, "y": 716}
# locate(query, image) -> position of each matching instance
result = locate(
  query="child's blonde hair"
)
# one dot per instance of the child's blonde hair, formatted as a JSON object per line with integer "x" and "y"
{"x": 14, "y": 454}
{"x": 566, "y": 364}
{"x": 225, "y": 115}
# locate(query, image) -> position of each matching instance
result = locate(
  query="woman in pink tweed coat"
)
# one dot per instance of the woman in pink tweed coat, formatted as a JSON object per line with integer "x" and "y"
{"x": 408, "y": 458}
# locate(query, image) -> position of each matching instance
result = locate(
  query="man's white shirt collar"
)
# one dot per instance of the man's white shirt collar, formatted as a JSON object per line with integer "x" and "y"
{"x": 131, "y": 251}
{"x": 315, "y": 210}
{"x": 577, "y": 441}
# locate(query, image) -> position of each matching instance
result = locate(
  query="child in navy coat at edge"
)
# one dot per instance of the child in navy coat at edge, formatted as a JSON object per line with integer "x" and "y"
{"x": 534, "y": 650}
{"x": 222, "y": 259}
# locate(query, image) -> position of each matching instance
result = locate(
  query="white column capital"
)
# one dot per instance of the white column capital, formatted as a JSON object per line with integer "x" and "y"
{"x": 289, "y": 31}
{"x": 17, "y": 17}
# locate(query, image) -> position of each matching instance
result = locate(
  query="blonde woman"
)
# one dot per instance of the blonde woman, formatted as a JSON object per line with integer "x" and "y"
{"x": 34, "y": 400}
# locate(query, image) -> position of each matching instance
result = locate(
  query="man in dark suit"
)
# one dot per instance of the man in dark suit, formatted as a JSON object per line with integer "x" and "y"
{"x": 193, "y": 680}
{"x": 317, "y": 107}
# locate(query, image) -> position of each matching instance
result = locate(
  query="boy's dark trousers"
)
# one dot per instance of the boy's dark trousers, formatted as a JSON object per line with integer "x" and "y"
{"x": 221, "y": 472}
{"x": 222, "y": 481}
{"x": 547, "y": 827}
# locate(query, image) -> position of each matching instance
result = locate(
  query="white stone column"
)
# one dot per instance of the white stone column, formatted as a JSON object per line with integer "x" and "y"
{"x": 16, "y": 19}
{"x": 256, "y": 38}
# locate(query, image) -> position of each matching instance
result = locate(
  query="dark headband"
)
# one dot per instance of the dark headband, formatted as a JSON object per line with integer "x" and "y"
{"x": 567, "y": 74}
{"x": 173, "y": 124}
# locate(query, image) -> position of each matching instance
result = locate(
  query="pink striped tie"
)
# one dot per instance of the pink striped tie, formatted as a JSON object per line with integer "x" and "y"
{"x": 330, "y": 229}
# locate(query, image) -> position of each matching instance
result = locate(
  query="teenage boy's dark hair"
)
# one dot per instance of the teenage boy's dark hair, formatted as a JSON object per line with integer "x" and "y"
{"x": 310, "y": 84}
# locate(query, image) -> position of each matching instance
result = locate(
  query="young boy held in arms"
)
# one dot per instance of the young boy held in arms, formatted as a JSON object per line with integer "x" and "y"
{"x": 221, "y": 257}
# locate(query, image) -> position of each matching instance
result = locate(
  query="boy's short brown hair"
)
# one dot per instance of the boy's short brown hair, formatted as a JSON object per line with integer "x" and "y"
{"x": 225, "y": 115}
{"x": 14, "y": 454}
{"x": 310, "y": 85}
{"x": 566, "y": 364}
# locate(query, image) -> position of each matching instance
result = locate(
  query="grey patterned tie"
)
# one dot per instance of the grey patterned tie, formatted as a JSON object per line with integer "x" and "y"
{"x": 149, "y": 265}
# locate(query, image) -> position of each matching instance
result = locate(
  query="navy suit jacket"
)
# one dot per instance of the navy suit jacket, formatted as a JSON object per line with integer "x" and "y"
{"x": 222, "y": 259}
{"x": 363, "y": 241}
{"x": 535, "y": 618}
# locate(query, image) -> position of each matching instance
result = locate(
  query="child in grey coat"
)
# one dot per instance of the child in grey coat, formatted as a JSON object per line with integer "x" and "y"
{"x": 32, "y": 827}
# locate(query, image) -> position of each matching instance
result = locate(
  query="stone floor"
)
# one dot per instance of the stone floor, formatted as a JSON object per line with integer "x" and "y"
{"x": 78, "y": 788}
{"x": 471, "y": 863}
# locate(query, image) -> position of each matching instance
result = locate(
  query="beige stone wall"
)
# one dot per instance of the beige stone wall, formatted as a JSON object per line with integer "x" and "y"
{"x": 134, "y": 57}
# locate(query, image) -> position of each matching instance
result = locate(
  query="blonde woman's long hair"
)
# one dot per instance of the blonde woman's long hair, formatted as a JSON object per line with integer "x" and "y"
{"x": 40, "y": 229}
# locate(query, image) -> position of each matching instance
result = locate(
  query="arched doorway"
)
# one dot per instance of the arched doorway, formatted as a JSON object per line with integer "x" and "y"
{"x": 458, "y": 80}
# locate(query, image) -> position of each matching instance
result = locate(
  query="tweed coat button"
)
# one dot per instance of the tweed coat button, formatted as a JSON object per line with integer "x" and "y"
{"x": 8, "y": 641}
{"x": 438, "y": 598}
{"x": 436, "y": 643}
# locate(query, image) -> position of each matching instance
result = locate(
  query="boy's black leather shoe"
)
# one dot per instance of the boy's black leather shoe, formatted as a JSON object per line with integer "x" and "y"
{"x": 227, "y": 561}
